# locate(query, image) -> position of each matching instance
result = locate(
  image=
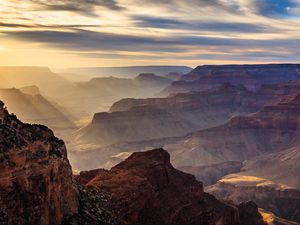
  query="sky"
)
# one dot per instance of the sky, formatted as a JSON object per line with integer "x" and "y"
{"x": 84, "y": 33}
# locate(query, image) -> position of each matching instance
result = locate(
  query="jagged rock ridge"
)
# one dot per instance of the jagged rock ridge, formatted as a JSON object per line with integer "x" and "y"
{"x": 146, "y": 189}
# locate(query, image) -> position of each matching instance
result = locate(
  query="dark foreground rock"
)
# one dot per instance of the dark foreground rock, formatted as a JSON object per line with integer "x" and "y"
{"x": 147, "y": 189}
{"x": 36, "y": 184}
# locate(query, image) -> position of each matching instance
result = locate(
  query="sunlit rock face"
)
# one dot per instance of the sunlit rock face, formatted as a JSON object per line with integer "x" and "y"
{"x": 272, "y": 129}
{"x": 146, "y": 189}
{"x": 283, "y": 203}
{"x": 251, "y": 76}
{"x": 36, "y": 185}
{"x": 271, "y": 180}
{"x": 281, "y": 167}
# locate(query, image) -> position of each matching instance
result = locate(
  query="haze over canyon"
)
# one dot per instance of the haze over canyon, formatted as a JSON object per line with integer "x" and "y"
{"x": 135, "y": 112}
{"x": 235, "y": 128}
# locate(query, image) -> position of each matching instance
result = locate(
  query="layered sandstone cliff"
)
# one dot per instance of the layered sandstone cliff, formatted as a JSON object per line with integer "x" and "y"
{"x": 272, "y": 129}
{"x": 36, "y": 185}
{"x": 156, "y": 118}
{"x": 252, "y": 76}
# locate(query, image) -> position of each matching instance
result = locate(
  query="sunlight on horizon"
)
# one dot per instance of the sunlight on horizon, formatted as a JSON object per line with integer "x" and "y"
{"x": 137, "y": 32}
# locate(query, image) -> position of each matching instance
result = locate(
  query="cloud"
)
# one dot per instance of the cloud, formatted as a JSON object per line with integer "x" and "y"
{"x": 178, "y": 5}
{"x": 220, "y": 4}
{"x": 86, "y": 7}
{"x": 156, "y": 22}
{"x": 52, "y": 26}
{"x": 89, "y": 40}
{"x": 156, "y": 29}
{"x": 82, "y": 40}
{"x": 14, "y": 25}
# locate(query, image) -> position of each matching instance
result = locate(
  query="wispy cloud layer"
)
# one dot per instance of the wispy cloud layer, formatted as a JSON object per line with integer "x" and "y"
{"x": 153, "y": 31}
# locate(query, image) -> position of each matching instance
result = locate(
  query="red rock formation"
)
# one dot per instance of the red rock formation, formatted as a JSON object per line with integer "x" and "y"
{"x": 137, "y": 120}
{"x": 251, "y": 76}
{"x": 274, "y": 128}
{"x": 36, "y": 184}
{"x": 156, "y": 118}
{"x": 146, "y": 189}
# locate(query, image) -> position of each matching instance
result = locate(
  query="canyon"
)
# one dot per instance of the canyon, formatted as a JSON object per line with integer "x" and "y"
{"x": 235, "y": 128}
{"x": 37, "y": 186}
{"x": 270, "y": 130}
{"x": 178, "y": 115}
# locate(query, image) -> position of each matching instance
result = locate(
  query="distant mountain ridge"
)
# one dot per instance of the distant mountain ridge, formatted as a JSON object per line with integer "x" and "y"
{"x": 251, "y": 76}
{"x": 99, "y": 92}
{"x": 17, "y": 77}
{"x": 180, "y": 114}
{"x": 35, "y": 108}
{"x": 86, "y": 73}
{"x": 155, "y": 118}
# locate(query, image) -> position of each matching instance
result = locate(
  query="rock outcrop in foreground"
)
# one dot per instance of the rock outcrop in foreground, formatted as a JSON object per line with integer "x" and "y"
{"x": 146, "y": 189}
{"x": 36, "y": 184}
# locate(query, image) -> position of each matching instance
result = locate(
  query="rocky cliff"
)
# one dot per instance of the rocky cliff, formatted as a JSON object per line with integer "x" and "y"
{"x": 252, "y": 76}
{"x": 156, "y": 118}
{"x": 36, "y": 185}
{"x": 146, "y": 189}
{"x": 281, "y": 167}
{"x": 271, "y": 180}
{"x": 272, "y": 129}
